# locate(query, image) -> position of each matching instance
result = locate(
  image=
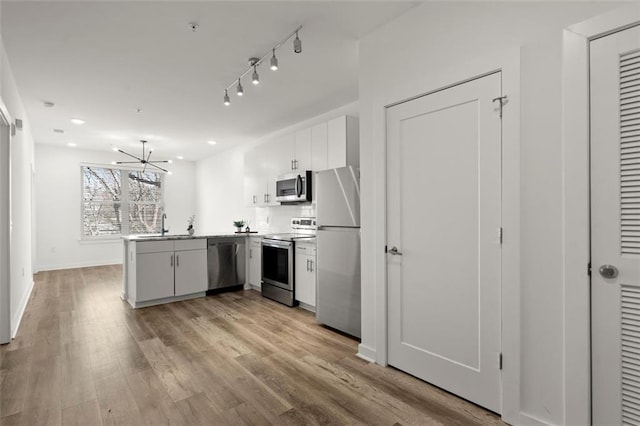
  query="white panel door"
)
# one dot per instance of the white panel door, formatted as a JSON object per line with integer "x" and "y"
{"x": 615, "y": 227}
{"x": 443, "y": 204}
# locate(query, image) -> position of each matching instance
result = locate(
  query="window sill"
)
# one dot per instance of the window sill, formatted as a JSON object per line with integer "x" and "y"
{"x": 100, "y": 240}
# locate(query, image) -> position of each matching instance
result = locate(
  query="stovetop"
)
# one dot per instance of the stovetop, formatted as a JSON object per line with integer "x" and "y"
{"x": 304, "y": 228}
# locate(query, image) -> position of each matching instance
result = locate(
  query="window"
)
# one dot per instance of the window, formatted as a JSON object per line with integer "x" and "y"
{"x": 111, "y": 208}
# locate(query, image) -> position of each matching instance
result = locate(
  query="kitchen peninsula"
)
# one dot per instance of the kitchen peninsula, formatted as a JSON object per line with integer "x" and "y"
{"x": 168, "y": 268}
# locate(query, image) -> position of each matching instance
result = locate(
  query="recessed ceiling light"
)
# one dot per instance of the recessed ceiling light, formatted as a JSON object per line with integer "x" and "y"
{"x": 58, "y": 131}
{"x": 71, "y": 144}
{"x": 180, "y": 157}
{"x": 170, "y": 161}
{"x": 212, "y": 142}
{"x": 169, "y": 173}
{"x": 115, "y": 148}
{"x": 77, "y": 121}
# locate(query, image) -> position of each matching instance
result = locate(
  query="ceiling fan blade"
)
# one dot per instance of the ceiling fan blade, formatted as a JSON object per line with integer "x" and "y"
{"x": 149, "y": 156}
{"x": 132, "y": 156}
{"x": 159, "y": 161}
{"x": 157, "y": 167}
{"x": 127, "y": 162}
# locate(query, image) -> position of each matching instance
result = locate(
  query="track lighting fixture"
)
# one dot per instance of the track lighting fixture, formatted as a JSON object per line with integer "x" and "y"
{"x": 239, "y": 89}
{"x": 255, "y": 79}
{"x": 297, "y": 44}
{"x": 254, "y": 63}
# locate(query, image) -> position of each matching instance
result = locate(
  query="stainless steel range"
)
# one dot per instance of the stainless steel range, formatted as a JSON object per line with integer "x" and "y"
{"x": 278, "y": 260}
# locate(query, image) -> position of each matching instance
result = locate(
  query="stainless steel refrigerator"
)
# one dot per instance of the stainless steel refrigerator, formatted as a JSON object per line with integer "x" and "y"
{"x": 338, "y": 249}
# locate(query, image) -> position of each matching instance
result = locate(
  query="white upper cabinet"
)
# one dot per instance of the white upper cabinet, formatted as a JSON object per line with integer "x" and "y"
{"x": 255, "y": 177}
{"x": 343, "y": 147}
{"x": 302, "y": 154}
{"x": 325, "y": 146}
{"x": 319, "y": 147}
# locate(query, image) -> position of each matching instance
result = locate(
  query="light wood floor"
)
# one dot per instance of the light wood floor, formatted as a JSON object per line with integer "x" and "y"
{"x": 83, "y": 356}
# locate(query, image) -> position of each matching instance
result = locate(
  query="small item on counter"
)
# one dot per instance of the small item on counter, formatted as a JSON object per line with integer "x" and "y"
{"x": 247, "y": 229}
{"x": 238, "y": 224}
{"x": 190, "y": 229}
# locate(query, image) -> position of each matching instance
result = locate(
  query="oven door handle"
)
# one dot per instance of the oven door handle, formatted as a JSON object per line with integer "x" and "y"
{"x": 277, "y": 244}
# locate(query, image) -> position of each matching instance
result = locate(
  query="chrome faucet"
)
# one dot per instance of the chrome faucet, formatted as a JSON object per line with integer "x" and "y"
{"x": 164, "y": 231}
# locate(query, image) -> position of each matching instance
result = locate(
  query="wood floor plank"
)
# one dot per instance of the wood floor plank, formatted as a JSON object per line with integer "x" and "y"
{"x": 84, "y": 414}
{"x": 83, "y": 356}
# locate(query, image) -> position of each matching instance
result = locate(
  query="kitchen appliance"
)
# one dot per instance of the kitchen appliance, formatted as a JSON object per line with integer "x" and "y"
{"x": 338, "y": 249}
{"x": 226, "y": 259}
{"x": 294, "y": 188}
{"x": 278, "y": 260}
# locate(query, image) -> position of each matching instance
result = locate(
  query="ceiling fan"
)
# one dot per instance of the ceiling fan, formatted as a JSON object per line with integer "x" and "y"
{"x": 144, "y": 160}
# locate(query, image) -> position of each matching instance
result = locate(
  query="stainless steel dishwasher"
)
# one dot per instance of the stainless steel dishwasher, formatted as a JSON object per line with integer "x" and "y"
{"x": 226, "y": 259}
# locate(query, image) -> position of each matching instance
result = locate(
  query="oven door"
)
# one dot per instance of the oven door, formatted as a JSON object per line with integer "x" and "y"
{"x": 277, "y": 263}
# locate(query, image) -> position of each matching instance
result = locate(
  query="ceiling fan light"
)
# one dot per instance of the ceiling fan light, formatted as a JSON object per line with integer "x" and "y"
{"x": 297, "y": 44}
{"x": 255, "y": 78}
{"x": 274, "y": 61}
{"x": 239, "y": 89}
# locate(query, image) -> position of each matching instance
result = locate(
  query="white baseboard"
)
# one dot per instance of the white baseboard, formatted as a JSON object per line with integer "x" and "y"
{"x": 366, "y": 353}
{"x": 17, "y": 319}
{"x": 529, "y": 420}
{"x": 87, "y": 264}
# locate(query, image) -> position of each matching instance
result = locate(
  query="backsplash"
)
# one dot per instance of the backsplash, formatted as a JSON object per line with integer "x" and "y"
{"x": 278, "y": 219}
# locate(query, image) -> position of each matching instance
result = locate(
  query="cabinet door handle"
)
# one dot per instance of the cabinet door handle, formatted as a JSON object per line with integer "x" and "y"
{"x": 311, "y": 263}
{"x": 172, "y": 261}
{"x": 177, "y": 260}
{"x": 255, "y": 199}
{"x": 250, "y": 253}
{"x": 307, "y": 265}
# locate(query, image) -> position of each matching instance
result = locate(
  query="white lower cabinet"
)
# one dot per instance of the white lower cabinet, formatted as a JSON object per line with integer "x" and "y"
{"x": 190, "y": 271}
{"x": 305, "y": 274}
{"x": 154, "y": 277}
{"x": 167, "y": 268}
{"x": 255, "y": 262}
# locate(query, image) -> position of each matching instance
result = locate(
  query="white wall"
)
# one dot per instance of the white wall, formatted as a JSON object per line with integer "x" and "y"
{"x": 58, "y": 186}
{"x": 439, "y": 36}
{"x": 21, "y": 188}
{"x": 220, "y": 186}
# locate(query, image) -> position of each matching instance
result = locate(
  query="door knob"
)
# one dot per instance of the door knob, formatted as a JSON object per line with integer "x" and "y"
{"x": 608, "y": 271}
{"x": 394, "y": 251}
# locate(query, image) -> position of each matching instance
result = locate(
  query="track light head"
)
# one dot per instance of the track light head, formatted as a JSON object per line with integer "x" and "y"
{"x": 227, "y": 101}
{"x": 274, "y": 61}
{"x": 255, "y": 79}
{"x": 297, "y": 44}
{"x": 239, "y": 89}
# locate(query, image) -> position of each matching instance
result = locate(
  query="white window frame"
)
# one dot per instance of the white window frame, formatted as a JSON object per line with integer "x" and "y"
{"x": 124, "y": 200}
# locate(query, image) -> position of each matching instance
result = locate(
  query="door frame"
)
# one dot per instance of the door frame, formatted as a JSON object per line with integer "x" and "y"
{"x": 576, "y": 212}
{"x": 508, "y": 63}
{"x": 5, "y": 224}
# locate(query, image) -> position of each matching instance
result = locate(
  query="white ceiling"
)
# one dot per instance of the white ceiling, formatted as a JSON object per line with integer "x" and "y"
{"x": 100, "y": 61}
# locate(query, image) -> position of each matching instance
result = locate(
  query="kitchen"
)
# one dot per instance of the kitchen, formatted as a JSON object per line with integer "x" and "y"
{"x": 398, "y": 53}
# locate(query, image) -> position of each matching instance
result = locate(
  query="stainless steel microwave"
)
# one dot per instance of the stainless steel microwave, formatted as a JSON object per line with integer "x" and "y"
{"x": 294, "y": 187}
